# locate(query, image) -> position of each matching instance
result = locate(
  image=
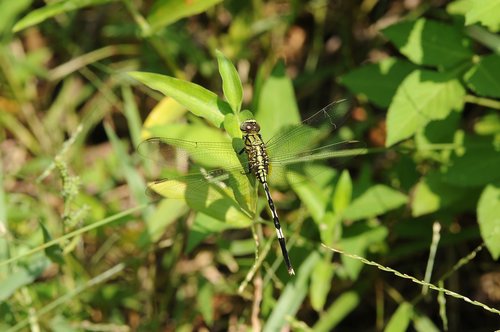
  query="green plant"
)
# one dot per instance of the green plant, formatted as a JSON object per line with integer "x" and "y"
{"x": 83, "y": 248}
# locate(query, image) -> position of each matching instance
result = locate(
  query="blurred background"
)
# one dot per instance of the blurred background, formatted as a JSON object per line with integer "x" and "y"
{"x": 84, "y": 248}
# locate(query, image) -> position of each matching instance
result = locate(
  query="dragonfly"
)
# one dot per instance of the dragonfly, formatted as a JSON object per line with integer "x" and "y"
{"x": 235, "y": 165}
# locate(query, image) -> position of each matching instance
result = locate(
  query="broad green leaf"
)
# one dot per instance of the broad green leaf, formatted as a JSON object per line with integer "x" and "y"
{"x": 488, "y": 215}
{"x": 477, "y": 166}
{"x": 216, "y": 202}
{"x": 423, "y": 96}
{"x": 198, "y": 100}
{"x": 339, "y": 309}
{"x": 400, "y": 320}
{"x": 378, "y": 81}
{"x": 277, "y": 106}
{"x": 484, "y": 77}
{"x": 441, "y": 131}
{"x": 293, "y": 295}
{"x": 52, "y": 9}
{"x": 430, "y": 43}
{"x": 431, "y": 195}
{"x": 460, "y": 7}
{"x": 166, "y": 12}
{"x": 485, "y": 12}
{"x": 231, "y": 83}
{"x": 321, "y": 282}
{"x": 377, "y": 200}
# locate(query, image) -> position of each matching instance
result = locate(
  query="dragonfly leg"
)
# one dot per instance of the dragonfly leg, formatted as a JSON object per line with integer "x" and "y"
{"x": 279, "y": 232}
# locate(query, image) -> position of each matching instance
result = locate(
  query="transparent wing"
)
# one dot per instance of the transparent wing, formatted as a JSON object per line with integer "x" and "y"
{"x": 338, "y": 154}
{"x": 170, "y": 152}
{"x": 340, "y": 151}
{"x": 295, "y": 139}
{"x": 300, "y": 144}
{"x": 212, "y": 171}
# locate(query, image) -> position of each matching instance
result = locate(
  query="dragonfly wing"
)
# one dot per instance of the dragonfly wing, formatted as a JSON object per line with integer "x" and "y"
{"x": 325, "y": 120}
{"x": 219, "y": 193}
{"x": 337, "y": 154}
{"x": 169, "y": 151}
{"x": 221, "y": 175}
{"x": 341, "y": 152}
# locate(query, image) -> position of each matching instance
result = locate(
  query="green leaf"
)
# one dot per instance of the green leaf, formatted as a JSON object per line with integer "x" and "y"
{"x": 423, "y": 96}
{"x": 167, "y": 111}
{"x": 211, "y": 200}
{"x": 401, "y": 318}
{"x": 166, "y": 213}
{"x": 485, "y": 12}
{"x": 204, "y": 301}
{"x": 231, "y": 83}
{"x": 277, "y": 106}
{"x": 377, "y": 200}
{"x": 431, "y": 195}
{"x": 484, "y": 77}
{"x": 379, "y": 81}
{"x": 430, "y": 43}
{"x": 166, "y": 12}
{"x": 477, "y": 166}
{"x": 198, "y": 100}
{"x": 9, "y": 11}
{"x": 340, "y": 308}
{"x": 488, "y": 217}
{"x": 22, "y": 276}
{"x": 54, "y": 8}
{"x": 54, "y": 252}
{"x": 321, "y": 279}
{"x": 343, "y": 193}
{"x": 489, "y": 124}
{"x": 459, "y": 7}
{"x": 202, "y": 227}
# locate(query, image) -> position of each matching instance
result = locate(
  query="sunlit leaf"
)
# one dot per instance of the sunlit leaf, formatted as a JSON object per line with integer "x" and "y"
{"x": 377, "y": 200}
{"x": 422, "y": 97}
{"x": 231, "y": 84}
{"x": 489, "y": 218}
{"x": 195, "y": 98}
{"x": 486, "y": 13}
{"x": 400, "y": 320}
{"x": 52, "y": 9}
{"x": 165, "y": 12}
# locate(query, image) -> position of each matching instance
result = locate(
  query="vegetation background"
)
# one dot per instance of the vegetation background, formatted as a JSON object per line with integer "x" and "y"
{"x": 82, "y": 248}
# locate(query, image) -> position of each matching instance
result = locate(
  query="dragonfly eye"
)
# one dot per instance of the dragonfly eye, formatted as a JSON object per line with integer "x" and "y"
{"x": 249, "y": 126}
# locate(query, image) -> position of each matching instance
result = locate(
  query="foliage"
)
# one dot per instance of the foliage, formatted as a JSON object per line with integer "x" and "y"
{"x": 82, "y": 246}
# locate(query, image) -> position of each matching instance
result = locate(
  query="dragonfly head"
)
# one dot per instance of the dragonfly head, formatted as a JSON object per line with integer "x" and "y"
{"x": 250, "y": 127}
